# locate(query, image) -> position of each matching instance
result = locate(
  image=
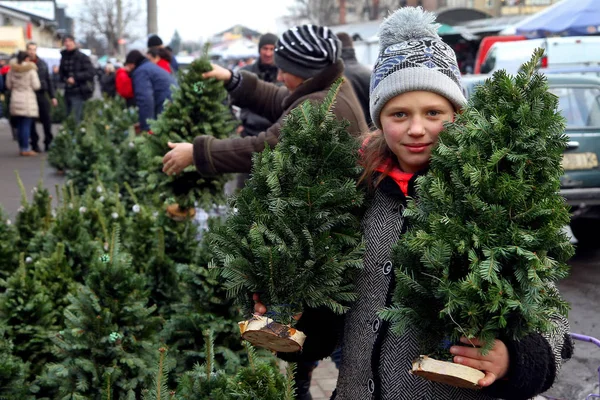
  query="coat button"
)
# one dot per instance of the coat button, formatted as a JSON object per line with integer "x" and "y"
{"x": 387, "y": 267}
{"x": 376, "y": 325}
{"x": 371, "y": 386}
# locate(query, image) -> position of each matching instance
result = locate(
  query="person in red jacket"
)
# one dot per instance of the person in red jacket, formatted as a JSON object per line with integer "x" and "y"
{"x": 124, "y": 86}
{"x": 161, "y": 57}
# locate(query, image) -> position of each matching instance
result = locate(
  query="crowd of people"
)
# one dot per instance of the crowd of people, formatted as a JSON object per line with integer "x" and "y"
{"x": 396, "y": 111}
{"x": 144, "y": 81}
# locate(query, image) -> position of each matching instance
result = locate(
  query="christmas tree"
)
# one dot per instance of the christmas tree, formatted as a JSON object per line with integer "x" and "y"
{"x": 203, "y": 305}
{"x": 13, "y": 372}
{"x": 485, "y": 245}
{"x": 55, "y": 273}
{"x": 294, "y": 237}
{"x": 197, "y": 108}
{"x": 203, "y": 382}
{"x": 92, "y": 156}
{"x": 27, "y": 312}
{"x": 70, "y": 226}
{"x": 262, "y": 380}
{"x": 8, "y": 245}
{"x": 60, "y": 154}
{"x": 109, "y": 335}
{"x": 32, "y": 217}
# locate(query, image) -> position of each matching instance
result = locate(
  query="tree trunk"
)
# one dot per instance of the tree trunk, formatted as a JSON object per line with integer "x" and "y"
{"x": 375, "y": 10}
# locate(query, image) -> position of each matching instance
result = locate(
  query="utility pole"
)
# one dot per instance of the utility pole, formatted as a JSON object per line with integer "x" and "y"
{"x": 152, "y": 17}
{"x": 342, "y": 20}
{"x": 120, "y": 28}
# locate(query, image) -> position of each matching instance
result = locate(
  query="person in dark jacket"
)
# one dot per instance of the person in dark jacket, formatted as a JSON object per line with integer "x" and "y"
{"x": 77, "y": 71}
{"x": 151, "y": 86}
{"x": 46, "y": 91}
{"x": 307, "y": 73}
{"x": 266, "y": 70}
{"x": 107, "y": 81}
{"x": 358, "y": 74}
{"x": 154, "y": 41}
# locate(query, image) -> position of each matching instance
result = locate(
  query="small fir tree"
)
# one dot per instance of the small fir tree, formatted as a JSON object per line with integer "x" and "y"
{"x": 294, "y": 238}
{"x": 9, "y": 256}
{"x": 32, "y": 217}
{"x": 93, "y": 156}
{"x": 70, "y": 226}
{"x": 13, "y": 372}
{"x": 55, "y": 273}
{"x": 27, "y": 312}
{"x": 203, "y": 306}
{"x": 163, "y": 279}
{"x": 197, "y": 108}
{"x": 109, "y": 335}
{"x": 203, "y": 382}
{"x": 261, "y": 379}
{"x": 160, "y": 389}
{"x": 485, "y": 245}
{"x": 60, "y": 154}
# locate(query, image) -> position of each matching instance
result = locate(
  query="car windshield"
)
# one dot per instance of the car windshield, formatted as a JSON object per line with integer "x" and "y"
{"x": 579, "y": 105}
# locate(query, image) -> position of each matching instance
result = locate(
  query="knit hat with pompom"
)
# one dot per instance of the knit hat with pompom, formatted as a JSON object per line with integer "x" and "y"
{"x": 413, "y": 57}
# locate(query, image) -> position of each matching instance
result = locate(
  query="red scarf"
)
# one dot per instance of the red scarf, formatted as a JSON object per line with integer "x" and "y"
{"x": 400, "y": 177}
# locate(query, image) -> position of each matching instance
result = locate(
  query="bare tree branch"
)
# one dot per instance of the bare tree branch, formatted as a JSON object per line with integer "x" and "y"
{"x": 100, "y": 18}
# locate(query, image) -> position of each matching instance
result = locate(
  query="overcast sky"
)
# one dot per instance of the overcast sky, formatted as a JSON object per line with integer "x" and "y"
{"x": 199, "y": 19}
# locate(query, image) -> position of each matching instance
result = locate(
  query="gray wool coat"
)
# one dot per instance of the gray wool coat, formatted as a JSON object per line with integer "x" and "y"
{"x": 375, "y": 361}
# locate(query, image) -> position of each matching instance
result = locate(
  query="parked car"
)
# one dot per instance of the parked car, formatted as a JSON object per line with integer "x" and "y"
{"x": 486, "y": 44}
{"x": 579, "y": 103}
{"x": 561, "y": 52}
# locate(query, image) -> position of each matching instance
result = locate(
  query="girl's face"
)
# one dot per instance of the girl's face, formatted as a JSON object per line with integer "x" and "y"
{"x": 153, "y": 59}
{"x": 411, "y": 124}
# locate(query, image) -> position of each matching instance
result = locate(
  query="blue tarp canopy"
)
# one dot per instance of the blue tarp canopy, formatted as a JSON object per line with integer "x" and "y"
{"x": 565, "y": 18}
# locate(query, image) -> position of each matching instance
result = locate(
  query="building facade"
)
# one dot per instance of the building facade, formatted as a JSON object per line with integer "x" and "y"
{"x": 354, "y": 11}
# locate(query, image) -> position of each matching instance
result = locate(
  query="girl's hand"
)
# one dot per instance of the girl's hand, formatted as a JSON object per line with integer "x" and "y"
{"x": 494, "y": 364}
{"x": 259, "y": 308}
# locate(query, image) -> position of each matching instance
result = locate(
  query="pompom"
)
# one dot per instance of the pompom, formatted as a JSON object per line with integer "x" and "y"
{"x": 407, "y": 23}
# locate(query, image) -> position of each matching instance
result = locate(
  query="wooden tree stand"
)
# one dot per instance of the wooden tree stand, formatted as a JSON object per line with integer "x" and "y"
{"x": 264, "y": 332}
{"x": 179, "y": 214}
{"x": 447, "y": 372}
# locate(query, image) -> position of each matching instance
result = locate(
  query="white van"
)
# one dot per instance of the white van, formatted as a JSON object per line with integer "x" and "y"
{"x": 561, "y": 52}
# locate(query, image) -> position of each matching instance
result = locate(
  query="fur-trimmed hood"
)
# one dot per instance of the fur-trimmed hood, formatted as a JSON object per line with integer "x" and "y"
{"x": 23, "y": 67}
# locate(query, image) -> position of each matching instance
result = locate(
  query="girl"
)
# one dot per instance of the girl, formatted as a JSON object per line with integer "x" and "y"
{"x": 22, "y": 79}
{"x": 415, "y": 89}
{"x": 161, "y": 57}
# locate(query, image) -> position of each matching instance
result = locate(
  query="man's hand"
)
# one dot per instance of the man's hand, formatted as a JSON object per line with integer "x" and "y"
{"x": 180, "y": 157}
{"x": 71, "y": 80}
{"x": 219, "y": 73}
{"x": 55, "y": 102}
{"x": 495, "y": 364}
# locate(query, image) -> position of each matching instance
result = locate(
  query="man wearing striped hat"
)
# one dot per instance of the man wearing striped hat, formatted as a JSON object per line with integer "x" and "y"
{"x": 308, "y": 58}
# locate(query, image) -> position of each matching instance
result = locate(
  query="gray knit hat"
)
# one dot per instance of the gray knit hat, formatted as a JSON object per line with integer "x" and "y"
{"x": 413, "y": 57}
{"x": 306, "y": 50}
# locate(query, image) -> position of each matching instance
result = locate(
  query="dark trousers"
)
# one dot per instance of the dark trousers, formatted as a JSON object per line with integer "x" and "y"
{"x": 74, "y": 103}
{"x": 302, "y": 379}
{"x": 44, "y": 107}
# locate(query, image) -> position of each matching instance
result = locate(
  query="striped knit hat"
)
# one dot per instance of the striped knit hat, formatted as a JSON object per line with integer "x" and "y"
{"x": 305, "y": 50}
{"x": 413, "y": 57}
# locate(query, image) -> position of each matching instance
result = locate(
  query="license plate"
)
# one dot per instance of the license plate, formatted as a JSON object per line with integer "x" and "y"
{"x": 573, "y": 161}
